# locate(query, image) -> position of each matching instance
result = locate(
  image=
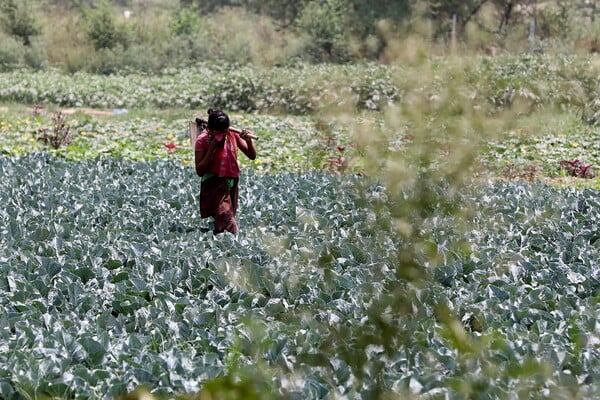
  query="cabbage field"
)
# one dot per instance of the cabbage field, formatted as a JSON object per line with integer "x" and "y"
{"x": 110, "y": 280}
{"x": 342, "y": 283}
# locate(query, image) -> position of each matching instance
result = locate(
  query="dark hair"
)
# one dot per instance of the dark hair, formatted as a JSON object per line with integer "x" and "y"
{"x": 217, "y": 120}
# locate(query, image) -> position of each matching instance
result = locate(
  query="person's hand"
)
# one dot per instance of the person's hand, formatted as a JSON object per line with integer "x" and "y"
{"x": 246, "y": 135}
{"x": 213, "y": 145}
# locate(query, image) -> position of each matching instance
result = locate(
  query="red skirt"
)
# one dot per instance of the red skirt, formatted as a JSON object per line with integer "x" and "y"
{"x": 220, "y": 201}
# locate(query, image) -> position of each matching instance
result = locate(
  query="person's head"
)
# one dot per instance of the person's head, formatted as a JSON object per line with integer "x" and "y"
{"x": 217, "y": 120}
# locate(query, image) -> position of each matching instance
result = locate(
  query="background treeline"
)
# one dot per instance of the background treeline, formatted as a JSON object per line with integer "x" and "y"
{"x": 110, "y": 36}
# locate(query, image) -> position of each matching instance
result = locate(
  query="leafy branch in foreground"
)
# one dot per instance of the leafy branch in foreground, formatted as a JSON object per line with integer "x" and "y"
{"x": 425, "y": 173}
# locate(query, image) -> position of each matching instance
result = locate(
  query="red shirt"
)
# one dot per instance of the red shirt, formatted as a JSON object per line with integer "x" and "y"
{"x": 225, "y": 162}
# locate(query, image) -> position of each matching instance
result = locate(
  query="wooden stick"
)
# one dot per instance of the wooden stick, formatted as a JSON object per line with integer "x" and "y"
{"x": 239, "y": 131}
{"x": 193, "y": 128}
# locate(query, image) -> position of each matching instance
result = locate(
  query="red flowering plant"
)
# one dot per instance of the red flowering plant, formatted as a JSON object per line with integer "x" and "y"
{"x": 577, "y": 168}
{"x": 337, "y": 163}
{"x": 171, "y": 146}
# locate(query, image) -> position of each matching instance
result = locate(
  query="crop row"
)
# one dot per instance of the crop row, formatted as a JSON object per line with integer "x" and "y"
{"x": 110, "y": 280}
{"x": 286, "y": 143}
{"x": 294, "y": 91}
{"x": 534, "y": 80}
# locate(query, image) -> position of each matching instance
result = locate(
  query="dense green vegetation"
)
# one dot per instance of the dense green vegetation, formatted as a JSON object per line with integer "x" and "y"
{"x": 110, "y": 36}
{"x": 399, "y": 275}
{"x": 109, "y": 283}
{"x": 421, "y": 222}
{"x": 538, "y": 111}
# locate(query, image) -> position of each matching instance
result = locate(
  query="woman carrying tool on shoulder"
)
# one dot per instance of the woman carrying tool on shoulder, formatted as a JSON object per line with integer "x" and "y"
{"x": 216, "y": 162}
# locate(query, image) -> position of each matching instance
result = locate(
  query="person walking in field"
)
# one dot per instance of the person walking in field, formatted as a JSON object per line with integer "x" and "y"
{"x": 215, "y": 154}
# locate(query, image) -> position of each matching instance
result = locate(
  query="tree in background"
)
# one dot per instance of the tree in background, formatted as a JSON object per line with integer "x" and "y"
{"x": 365, "y": 14}
{"x": 103, "y": 30}
{"x": 323, "y": 24}
{"x": 83, "y": 33}
{"x": 328, "y": 26}
{"x": 284, "y": 11}
{"x": 184, "y": 22}
{"x": 455, "y": 14}
{"x": 18, "y": 20}
{"x": 502, "y": 17}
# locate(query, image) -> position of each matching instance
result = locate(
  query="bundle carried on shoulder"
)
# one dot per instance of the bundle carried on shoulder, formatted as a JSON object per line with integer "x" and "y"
{"x": 195, "y": 127}
{"x": 198, "y": 125}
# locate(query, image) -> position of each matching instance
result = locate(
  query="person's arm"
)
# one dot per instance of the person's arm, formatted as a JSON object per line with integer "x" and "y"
{"x": 204, "y": 158}
{"x": 246, "y": 145}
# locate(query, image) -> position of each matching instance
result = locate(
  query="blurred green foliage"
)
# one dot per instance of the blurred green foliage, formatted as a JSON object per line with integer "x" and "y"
{"x": 401, "y": 273}
{"x": 169, "y": 33}
{"x": 102, "y": 28}
{"x": 18, "y": 20}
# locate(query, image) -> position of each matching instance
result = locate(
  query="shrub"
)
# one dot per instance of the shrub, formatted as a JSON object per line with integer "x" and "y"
{"x": 235, "y": 91}
{"x": 245, "y": 37}
{"x": 102, "y": 30}
{"x": 265, "y": 42}
{"x": 19, "y": 20}
{"x": 35, "y": 56}
{"x": 74, "y": 61}
{"x": 185, "y": 51}
{"x": 107, "y": 61}
{"x": 143, "y": 58}
{"x": 11, "y": 52}
{"x": 14, "y": 54}
{"x": 322, "y": 24}
{"x": 537, "y": 80}
{"x": 184, "y": 22}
